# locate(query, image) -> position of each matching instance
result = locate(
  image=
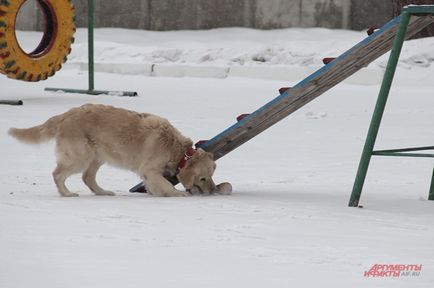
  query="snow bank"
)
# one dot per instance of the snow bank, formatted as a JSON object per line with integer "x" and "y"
{"x": 286, "y": 54}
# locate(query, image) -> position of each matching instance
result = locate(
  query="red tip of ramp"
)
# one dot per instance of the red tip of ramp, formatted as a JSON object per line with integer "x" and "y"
{"x": 371, "y": 30}
{"x": 328, "y": 60}
{"x": 242, "y": 116}
{"x": 284, "y": 89}
{"x": 199, "y": 143}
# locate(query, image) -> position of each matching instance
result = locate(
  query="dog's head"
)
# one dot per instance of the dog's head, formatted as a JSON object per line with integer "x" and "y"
{"x": 197, "y": 172}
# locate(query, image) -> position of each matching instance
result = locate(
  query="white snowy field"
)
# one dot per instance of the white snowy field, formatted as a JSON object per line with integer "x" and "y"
{"x": 287, "y": 222}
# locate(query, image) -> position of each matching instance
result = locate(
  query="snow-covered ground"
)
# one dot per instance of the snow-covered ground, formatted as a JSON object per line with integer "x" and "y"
{"x": 287, "y": 222}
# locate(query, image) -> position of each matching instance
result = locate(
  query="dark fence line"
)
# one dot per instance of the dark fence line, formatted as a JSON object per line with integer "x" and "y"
{"x": 206, "y": 14}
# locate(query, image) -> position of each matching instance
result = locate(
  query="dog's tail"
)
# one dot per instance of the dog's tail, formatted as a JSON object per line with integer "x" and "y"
{"x": 37, "y": 134}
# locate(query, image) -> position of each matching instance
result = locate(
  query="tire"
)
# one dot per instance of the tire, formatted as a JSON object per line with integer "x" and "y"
{"x": 51, "y": 52}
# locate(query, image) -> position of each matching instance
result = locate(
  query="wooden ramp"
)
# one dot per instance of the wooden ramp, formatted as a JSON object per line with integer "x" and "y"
{"x": 313, "y": 86}
{"x": 337, "y": 70}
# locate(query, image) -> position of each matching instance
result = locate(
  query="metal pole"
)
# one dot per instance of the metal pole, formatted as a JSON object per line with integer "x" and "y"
{"x": 378, "y": 111}
{"x": 431, "y": 189}
{"x": 11, "y": 102}
{"x": 90, "y": 12}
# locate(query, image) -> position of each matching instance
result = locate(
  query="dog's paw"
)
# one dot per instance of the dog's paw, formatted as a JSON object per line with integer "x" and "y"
{"x": 173, "y": 194}
{"x": 105, "y": 193}
{"x": 184, "y": 194}
{"x": 70, "y": 194}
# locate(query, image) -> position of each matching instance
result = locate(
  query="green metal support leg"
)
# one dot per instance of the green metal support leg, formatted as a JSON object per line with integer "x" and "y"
{"x": 90, "y": 37}
{"x": 378, "y": 111}
{"x": 431, "y": 189}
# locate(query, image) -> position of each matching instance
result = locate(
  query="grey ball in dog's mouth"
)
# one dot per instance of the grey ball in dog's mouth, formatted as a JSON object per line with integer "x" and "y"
{"x": 224, "y": 188}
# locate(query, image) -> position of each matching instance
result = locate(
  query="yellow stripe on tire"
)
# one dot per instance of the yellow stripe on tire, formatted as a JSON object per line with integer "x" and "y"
{"x": 51, "y": 52}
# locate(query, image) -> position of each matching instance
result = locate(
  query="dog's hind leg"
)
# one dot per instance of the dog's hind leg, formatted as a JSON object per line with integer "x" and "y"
{"x": 60, "y": 174}
{"x": 72, "y": 157}
{"x": 89, "y": 178}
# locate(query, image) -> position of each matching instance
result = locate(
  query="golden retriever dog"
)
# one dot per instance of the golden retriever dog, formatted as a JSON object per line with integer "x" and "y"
{"x": 91, "y": 135}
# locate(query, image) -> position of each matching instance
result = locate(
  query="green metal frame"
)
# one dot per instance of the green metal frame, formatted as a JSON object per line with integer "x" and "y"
{"x": 368, "y": 149}
{"x": 91, "y": 70}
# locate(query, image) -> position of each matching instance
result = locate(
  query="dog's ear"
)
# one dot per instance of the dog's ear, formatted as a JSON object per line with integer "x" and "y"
{"x": 210, "y": 155}
{"x": 202, "y": 152}
{"x": 186, "y": 177}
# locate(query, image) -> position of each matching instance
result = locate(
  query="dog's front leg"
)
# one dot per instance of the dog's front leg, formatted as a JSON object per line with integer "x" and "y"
{"x": 157, "y": 185}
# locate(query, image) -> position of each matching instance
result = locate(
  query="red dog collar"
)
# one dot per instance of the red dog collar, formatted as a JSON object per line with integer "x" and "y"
{"x": 187, "y": 155}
